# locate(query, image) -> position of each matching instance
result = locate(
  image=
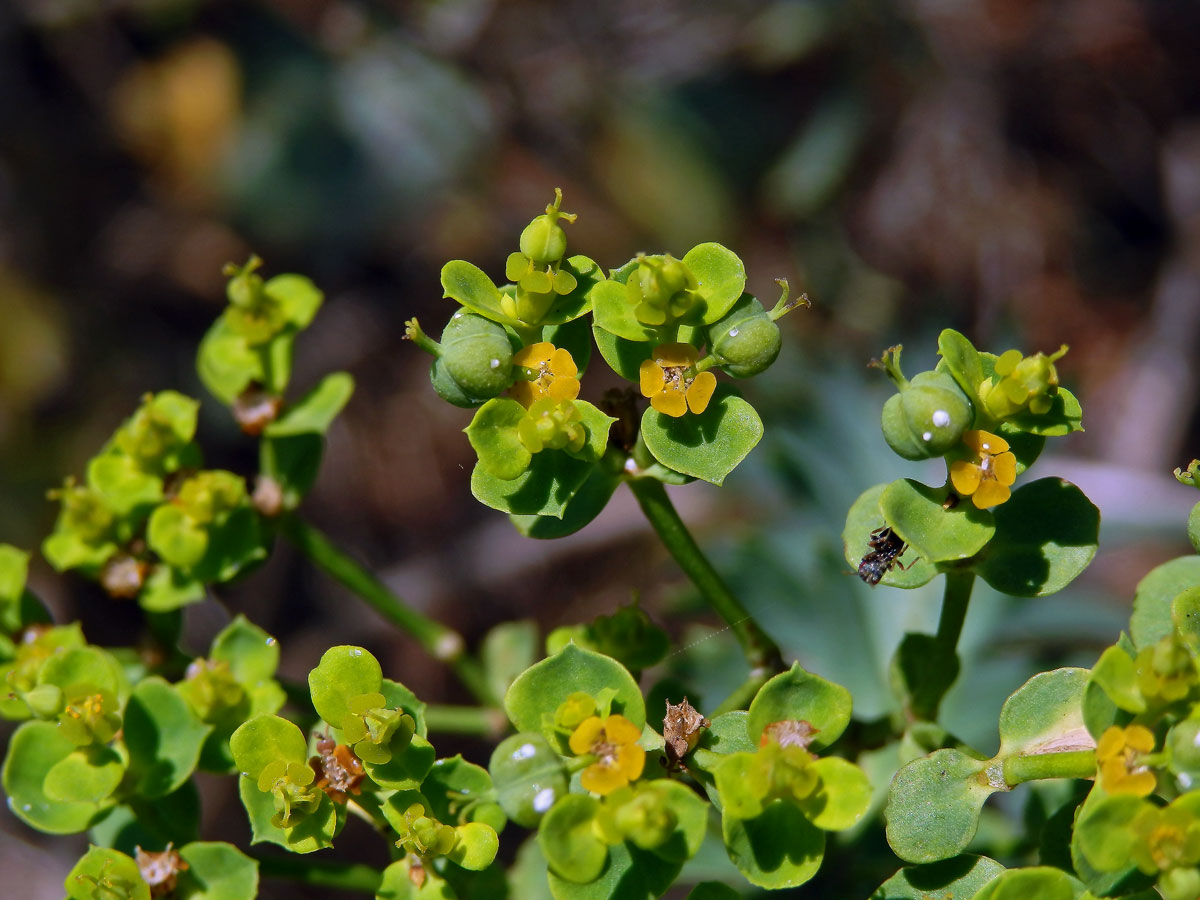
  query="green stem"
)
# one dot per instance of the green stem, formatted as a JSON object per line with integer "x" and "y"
{"x": 955, "y": 600}
{"x": 320, "y": 872}
{"x": 440, "y": 641}
{"x": 761, "y": 652}
{"x": 1071, "y": 764}
{"x": 476, "y": 720}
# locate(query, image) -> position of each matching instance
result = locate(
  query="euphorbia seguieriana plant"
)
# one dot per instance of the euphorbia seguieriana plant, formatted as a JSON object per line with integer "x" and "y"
{"x": 609, "y": 798}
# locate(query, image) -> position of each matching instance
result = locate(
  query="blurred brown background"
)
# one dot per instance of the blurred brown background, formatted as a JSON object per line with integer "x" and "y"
{"x": 1027, "y": 171}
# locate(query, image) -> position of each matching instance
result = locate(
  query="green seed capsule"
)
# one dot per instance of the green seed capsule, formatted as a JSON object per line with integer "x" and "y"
{"x": 927, "y": 418}
{"x": 476, "y": 358}
{"x": 529, "y": 777}
{"x": 544, "y": 240}
{"x": 746, "y": 339}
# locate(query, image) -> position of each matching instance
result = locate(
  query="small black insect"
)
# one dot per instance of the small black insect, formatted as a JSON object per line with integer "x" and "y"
{"x": 886, "y": 550}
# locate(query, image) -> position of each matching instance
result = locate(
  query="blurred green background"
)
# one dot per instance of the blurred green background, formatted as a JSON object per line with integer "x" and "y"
{"x": 1027, "y": 171}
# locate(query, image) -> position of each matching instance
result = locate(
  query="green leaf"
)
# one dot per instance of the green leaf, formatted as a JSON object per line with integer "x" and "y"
{"x": 263, "y": 740}
{"x": 494, "y": 436}
{"x": 1046, "y": 535}
{"x": 34, "y": 749}
{"x": 411, "y": 759}
{"x": 124, "y": 486}
{"x": 397, "y": 696}
{"x": 1193, "y": 527}
{"x": 297, "y": 296}
{"x": 1037, "y": 883}
{"x": 569, "y": 841}
{"x": 226, "y": 363}
{"x": 105, "y": 873}
{"x": 629, "y": 874}
{"x": 151, "y": 823}
{"x": 216, "y": 871}
{"x": 843, "y": 797}
{"x": 471, "y": 287}
{"x": 1103, "y": 833}
{"x": 168, "y": 589}
{"x": 585, "y": 504}
{"x": 508, "y": 650}
{"x": 397, "y": 884}
{"x": 1064, "y": 416}
{"x": 1124, "y": 880}
{"x": 802, "y": 696}
{"x": 624, "y": 356}
{"x": 707, "y": 446}
{"x": 293, "y": 462}
{"x": 529, "y": 777}
{"x": 315, "y": 411}
{"x": 933, "y": 806}
{"x": 459, "y": 792}
{"x": 14, "y": 568}
{"x": 713, "y": 890}
{"x": 544, "y": 489}
{"x": 476, "y": 846}
{"x": 568, "y": 307}
{"x": 1045, "y": 715}
{"x": 176, "y": 537}
{"x": 916, "y": 513}
{"x": 612, "y": 312}
{"x": 1151, "y": 620}
{"x": 961, "y": 360}
{"x": 251, "y": 653}
{"x": 951, "y": 879}
{"x": 921, "y": 671}
{"x": 691, "y": 815}
{"x": 598, "y": 425}
{"x": 88, "y": 775}
{"x": 728, "y": 734}
{"x": 163, "y": 737}
{"x": 779, "y": 849}
{"x": 720, "y": 277}
{"x": 863, "y": 519}
{"x": 89, "y": 667}
{"x": 1185, "y": 613}
{"x": 541, "y": 689}
{"x": 343, "y": 674}
{"x": 314, "y": 831}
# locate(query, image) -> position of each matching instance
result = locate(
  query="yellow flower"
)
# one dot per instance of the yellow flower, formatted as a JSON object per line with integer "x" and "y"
{"x": 665, "y": 380}
{"x": 985, "y": 479}
{"x": 557, "y": 376}
{"x": 613, "y": 741}
{"x": 1118, "y": 756}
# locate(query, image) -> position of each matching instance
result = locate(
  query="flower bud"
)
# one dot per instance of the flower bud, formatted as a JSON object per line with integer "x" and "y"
{"x": 475, "y": 362}
{"x": 1020, "y": 383}
{"x": 661, "y": 289}
{"x": 927, "y": 418}
{"x": 746, "y": 339}
{"x": 543, "y": 241}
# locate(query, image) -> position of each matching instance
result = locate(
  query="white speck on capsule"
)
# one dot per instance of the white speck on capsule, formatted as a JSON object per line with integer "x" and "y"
{"x": 941, "y": 418}
{"x": 525, "y": 751}
{"x": 355, "y": 651}
{"x": 271, "y": 642}
{"x": 927, "y": 436}
{"x": 543, "y": 800}
{"x": 733, "y": 332}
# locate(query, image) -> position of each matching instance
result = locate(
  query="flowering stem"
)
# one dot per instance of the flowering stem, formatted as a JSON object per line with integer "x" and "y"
{"x": 1070, "y": 764}
{"x": 473, "y": 720}
{"x": 439, "y": 641}
{"x": 955, "y": 600}
{"x": 320, "y": 872}
{"x": 761, "y": 652}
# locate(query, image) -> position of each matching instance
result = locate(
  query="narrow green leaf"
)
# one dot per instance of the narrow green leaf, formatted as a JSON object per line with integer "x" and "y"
{"x": 315, "y": 411}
